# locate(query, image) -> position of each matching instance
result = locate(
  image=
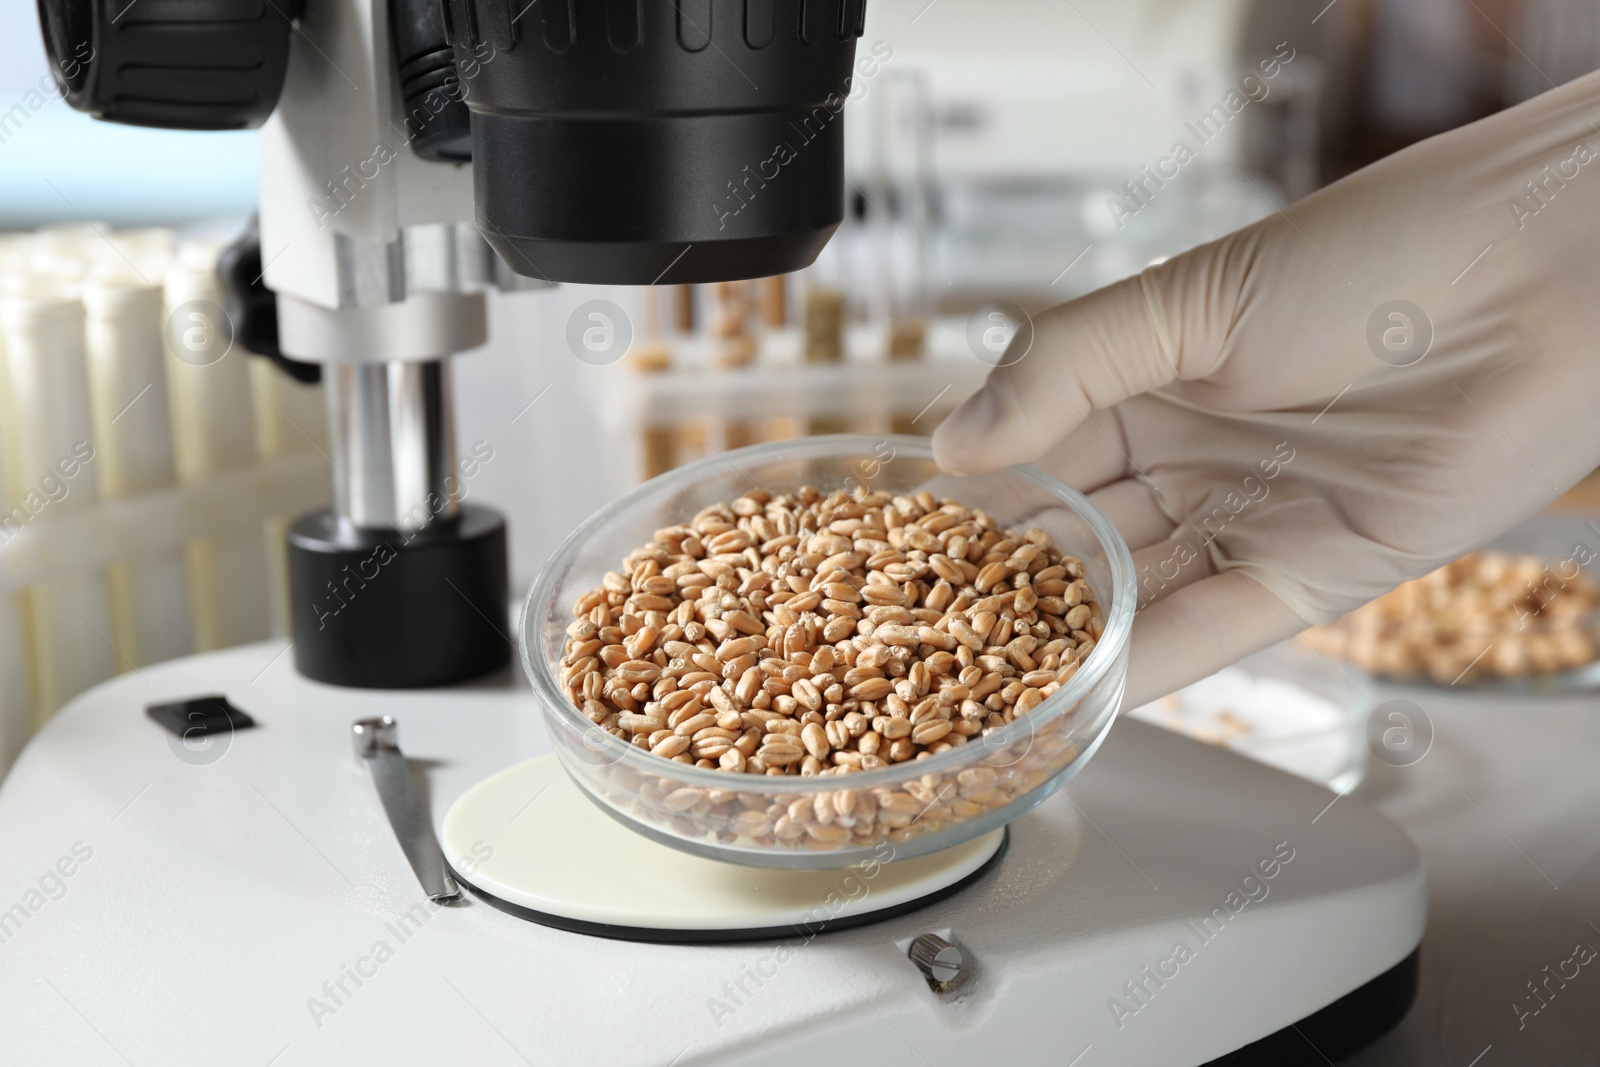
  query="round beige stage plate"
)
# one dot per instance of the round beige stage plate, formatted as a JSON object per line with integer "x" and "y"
{"x": 529, "y": 842}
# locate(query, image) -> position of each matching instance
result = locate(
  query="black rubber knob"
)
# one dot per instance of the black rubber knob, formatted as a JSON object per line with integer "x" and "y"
{"x": 252, "y": 308}
{"x": 436, "y": 121}
{"x": 178, "y": 64}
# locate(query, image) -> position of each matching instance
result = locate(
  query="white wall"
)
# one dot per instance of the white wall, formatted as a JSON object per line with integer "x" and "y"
{"x": 545, "y": 476}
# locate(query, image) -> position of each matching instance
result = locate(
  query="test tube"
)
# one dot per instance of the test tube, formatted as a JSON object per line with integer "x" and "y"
{"x": 291, "y": 417}
{"x": 16, "y": 720}
{"x": 907, "y": 147}
{"x": 52, "y": 434}
{"x": 734, "y": 347}
{"x": 822, "y": 315}
{"x": 732, "y": 307}
{"x": 133, "y": 441}
{"x": 683, "y": 316}
{"x": 659, "y": 448}
{"x": 213, "y": 429}
{"x": 775, "y": 301}
{"x": 650, "y": 351}
{"x": 658, "y": 445}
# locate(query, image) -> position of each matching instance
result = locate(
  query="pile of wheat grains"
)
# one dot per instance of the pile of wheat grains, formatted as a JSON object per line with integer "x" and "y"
{"x": 808, "y": 634}
{"x": 1484, "y": 616}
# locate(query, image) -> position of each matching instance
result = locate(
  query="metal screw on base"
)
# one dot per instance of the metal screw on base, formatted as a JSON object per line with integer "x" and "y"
{"x": 940, "y": 962}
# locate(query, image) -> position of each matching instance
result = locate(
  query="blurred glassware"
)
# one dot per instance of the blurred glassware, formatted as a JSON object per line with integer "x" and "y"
{"x": 1287, "y": 707}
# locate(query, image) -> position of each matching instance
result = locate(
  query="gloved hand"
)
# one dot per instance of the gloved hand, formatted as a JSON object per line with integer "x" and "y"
{"x": 1277, "y": 439}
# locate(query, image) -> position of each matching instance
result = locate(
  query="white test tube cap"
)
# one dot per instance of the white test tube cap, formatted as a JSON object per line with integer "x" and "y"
{"x": 111, "y": 293}
{"x": 192, "y": 274}
{"x": 157, "y": 241}
{"x": 70, "y": 234}
{"x": 144, "y": 253}
{"x": 66, "y": 250}
{"x": 39, "y": 322}
{"x": 199, "y": 254}
{"x": 31, "y": 299}
{"x": 45, "y": 262}
{"x": 14, "y": 248}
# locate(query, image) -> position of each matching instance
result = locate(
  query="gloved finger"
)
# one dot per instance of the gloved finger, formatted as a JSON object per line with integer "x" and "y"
{"x": 1086, "y": 354}
{"x": 1131, "y": 506}
{"x": 1164, "y": 568}
{"x": 1200, "y": 629}
{"x": 1093, "y": 455}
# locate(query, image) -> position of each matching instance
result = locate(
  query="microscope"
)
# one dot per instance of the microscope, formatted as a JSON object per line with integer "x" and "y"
{"x": 416, "y": 154}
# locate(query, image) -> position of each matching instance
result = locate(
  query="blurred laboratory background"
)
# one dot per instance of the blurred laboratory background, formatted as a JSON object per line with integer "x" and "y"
{"x": 1024, "y": 150}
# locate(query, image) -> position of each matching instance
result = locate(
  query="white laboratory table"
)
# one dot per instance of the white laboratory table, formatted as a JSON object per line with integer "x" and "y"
{"x": 121, "y": 961}
{"x": 1506, "y": 809}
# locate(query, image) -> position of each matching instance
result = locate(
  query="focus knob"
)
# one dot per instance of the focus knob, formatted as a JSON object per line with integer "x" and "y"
{"x": 178, "y": 64}
{"x": 940, "y": 962}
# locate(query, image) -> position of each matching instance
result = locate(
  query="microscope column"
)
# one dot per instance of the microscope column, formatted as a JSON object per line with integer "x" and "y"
{"x": 399, "y": 584}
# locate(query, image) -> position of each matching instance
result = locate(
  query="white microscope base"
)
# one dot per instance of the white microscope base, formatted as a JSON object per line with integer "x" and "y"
{"x": 230, "y": 902}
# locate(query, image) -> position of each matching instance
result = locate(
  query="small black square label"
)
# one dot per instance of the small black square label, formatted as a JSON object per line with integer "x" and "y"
{"x": 200, "y": 715}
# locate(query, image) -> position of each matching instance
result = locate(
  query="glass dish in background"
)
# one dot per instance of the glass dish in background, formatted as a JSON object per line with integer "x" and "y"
{"x": 698, "y": 810}
{"x": 1286, "y": 707}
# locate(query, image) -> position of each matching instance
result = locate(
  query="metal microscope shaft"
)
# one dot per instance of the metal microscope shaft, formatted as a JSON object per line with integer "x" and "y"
{"x": 393, "y": 443}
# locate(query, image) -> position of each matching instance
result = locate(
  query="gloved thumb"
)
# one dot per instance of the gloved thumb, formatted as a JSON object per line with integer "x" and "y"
{"x": 1090, "y": 353}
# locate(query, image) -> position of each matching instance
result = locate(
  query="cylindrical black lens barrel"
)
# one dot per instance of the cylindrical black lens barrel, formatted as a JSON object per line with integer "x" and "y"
{"x": 635, "y": 142}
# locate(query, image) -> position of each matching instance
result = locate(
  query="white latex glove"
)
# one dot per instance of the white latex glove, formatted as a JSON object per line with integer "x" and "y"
{"x": 1243, "y": 367}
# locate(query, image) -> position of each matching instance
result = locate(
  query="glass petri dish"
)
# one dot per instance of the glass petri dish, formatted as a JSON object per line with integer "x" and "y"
{"x": 914, "y": 804}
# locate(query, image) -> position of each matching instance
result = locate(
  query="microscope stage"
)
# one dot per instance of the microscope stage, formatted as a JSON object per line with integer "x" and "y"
{"x": 528, "y": 841}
